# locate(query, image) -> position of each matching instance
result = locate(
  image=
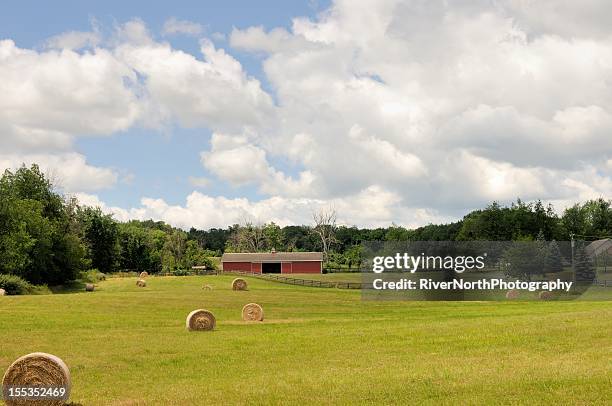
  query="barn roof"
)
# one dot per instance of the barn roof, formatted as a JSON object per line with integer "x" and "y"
{"x": 599, "y": 246}
{"x": 271, "y": 256}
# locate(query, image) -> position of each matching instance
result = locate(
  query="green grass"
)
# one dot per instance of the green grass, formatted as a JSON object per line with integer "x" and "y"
{"x": 128, "y": 346}
{"x": 328, "y": 277}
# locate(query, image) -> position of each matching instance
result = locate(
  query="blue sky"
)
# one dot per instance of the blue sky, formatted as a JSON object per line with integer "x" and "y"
{"x": 401, "y": 111}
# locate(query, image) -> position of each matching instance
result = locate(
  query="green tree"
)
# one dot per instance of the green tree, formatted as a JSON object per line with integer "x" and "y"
{"x": 592, "y": 219}
{"x": 246, "y": 238}
{"x": 397, "y": 233}
{"x": 136, "y": 246}
{"x": 553, "y": 262}
{"x": 17, "y": 218}
{"x": 174, "y": 250}
{"x": 273, "y": 236}
{"x": 353, "y": 256}
{"x": 102, "y": 236}
{"x": 523, "y": 259}
{"x": 38, "y": 237}
{"x": 196, "y": 256}
{"x": 583, "y": 264}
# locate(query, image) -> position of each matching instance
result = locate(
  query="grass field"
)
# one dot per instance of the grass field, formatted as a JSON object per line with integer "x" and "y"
{"x": 329, "y": 277}
{"x": 129, "y": 346}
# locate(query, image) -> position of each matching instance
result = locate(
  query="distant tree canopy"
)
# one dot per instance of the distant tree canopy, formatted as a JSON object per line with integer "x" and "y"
{"x": 46, "y": 238}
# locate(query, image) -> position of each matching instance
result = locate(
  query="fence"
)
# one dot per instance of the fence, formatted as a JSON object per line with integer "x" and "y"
{"x": 344, "y": 270}
{"x": 604, "y": 283}
{"x": 303, "y": 282}
{"x": 133, "y": 274}
{"x": 198, "y": 272}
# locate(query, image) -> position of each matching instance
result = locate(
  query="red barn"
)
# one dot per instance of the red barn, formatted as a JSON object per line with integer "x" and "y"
{"x": 273, "y": 262}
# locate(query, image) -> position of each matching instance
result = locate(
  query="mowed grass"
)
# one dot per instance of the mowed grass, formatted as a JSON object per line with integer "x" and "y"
{"x": 329, "y": 277}
{"x": 129, "y": 346}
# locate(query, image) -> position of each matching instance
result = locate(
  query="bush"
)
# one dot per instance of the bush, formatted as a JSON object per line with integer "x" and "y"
{"x": 14, "y": 285}
{"x": 93, "y": 276}
{"x": 124, "y": 274}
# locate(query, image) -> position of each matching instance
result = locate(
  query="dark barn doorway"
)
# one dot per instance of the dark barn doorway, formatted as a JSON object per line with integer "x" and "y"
{"x": 271, "y": 267}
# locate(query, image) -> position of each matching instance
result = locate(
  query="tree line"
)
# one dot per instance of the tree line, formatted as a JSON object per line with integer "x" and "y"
{"x": 519, "y": 221}
{"x": 47, "y": 238}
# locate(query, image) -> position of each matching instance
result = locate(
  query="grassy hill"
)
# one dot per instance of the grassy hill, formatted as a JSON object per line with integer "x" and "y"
{"x": 125, "y": 345}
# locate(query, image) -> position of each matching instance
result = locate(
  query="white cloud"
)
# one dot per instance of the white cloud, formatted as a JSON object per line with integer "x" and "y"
{"x": 372, "y": 206}
{"x": 90, "y": 200}
{"x": 49, "y": 98}
{"x": 587, "y": 18}
{"x": 214, "y": 93}
{"x": 568, "y": 139}
{"x": 69, "y": 171}
{"x": 64, "y": 93}
{"x": 391, "y": 110}
{"x": 131, "y": 80}
{"x": 238, "y": 161}
{"x": 176, "y": 26}
{"x": 235, "y": 160}
{"x": 446, "y": 105}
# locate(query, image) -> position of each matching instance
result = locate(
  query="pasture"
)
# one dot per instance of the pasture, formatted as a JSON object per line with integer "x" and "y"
{"x": 129, "y": 346}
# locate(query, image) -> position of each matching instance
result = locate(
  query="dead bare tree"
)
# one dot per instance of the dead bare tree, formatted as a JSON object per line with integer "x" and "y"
{"x": 325, "y": 228}
{"x": 247, "y": 237}
{"x": 253, "y": 236}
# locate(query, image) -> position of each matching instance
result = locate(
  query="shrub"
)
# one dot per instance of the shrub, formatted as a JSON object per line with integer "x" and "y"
{"x": 14, "y": 285}
{"x": 92, "y": 276}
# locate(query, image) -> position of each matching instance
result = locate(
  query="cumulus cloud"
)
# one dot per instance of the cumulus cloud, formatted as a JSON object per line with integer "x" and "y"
{"x": 398, "y": 110}
{"x": 68, "y": 171}
{"x": 238, "y": 161}
{"x": 235, "y": 160}
{"x": 444, "y": 104}
{"x": 588, "y": 18}
{"x": 49, "y": 98}
{"x": 64, "y": 92}
{"x": 571, "y": 137}
{"x": 214, "y": 92}
{"x": 371, "y": 206}
{"x": 87, "y": 199}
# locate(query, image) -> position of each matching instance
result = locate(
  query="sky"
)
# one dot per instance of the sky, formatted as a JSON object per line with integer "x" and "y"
{"x": 206, "y": 114}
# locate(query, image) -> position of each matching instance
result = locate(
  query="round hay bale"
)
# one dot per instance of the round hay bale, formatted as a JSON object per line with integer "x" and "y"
{"x": 2, "y": 292}
{"x": 252, "y": 312}
{"x": 89, "y": 287}
{"x": 512, "y": 294}
{"x": 141, "y": 283}
{"x": 143, "y": 274}
{"x": 41, "y": 370}
{"x": 239, "y": 284}
{"x": 545, "y": 295}
{"x": 201, "y": 320}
